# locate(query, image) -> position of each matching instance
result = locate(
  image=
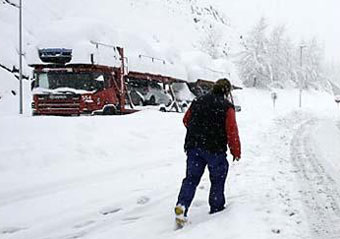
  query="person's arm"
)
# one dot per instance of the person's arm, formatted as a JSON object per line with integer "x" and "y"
{"x": 187, "y": 117}
{"x": 232, "y": 133}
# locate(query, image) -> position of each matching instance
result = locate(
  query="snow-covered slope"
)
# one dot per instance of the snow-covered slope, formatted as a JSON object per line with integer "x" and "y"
{"x": 9, "y": 92}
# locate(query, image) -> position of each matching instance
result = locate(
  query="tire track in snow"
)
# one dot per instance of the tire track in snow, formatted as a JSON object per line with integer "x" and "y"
{"x": 319, "y": 191}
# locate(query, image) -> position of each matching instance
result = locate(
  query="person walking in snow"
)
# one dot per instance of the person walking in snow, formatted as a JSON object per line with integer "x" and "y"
{"x": 211, "y": 127}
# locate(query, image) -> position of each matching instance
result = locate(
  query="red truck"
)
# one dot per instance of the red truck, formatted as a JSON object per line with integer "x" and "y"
{"x": 64, "y": 88}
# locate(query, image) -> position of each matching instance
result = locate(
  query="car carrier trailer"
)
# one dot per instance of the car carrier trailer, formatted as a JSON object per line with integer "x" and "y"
{"x": 62, "y": 87}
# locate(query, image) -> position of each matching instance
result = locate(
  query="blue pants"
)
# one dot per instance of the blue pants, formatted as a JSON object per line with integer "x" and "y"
{"x": 218, "y": 170}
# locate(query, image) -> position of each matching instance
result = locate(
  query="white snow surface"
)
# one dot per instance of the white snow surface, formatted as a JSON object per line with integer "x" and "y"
{"x": 9, "y": 92}
{"x": 119, "y": 177}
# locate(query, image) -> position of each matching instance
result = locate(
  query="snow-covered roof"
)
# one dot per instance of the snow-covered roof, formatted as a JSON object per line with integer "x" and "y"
{"x": 174, "y": 46}
{"x": 145, "y": 64}
{"x": 201, "y": 66}
{"x": 141, "y": 57}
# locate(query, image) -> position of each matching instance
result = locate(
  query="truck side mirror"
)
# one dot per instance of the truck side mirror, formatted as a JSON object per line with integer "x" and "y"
{"x": 33, "y": 84}
{"x": 238, "y": 108}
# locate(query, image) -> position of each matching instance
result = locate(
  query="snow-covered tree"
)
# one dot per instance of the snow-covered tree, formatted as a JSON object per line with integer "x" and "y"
{"x": 312, "y": 65}
{"x": 255, "y": 68}
{"x": 212, "y": 42}
{"x": 275, "y": 61}
{"x": 281, "y": 57}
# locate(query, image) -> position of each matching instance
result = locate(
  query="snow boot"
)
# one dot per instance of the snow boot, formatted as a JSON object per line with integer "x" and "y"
{"x": 181, "y": 218}
{"x": 216, "y": 210}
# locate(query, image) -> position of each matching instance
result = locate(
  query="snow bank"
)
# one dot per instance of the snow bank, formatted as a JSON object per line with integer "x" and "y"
{"x": 9, "y": 94}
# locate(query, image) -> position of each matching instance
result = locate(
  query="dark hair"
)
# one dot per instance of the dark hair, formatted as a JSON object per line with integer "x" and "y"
{"x": 222, "y": 86}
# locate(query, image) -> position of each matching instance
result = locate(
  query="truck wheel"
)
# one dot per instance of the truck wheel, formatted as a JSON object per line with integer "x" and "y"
{"x": 139, "y": 102}
{"x": 109, "y": 111}
{"x": 162, "y": 109}
{"x": 152, "y": 100}
{"x": 136, "y": 98}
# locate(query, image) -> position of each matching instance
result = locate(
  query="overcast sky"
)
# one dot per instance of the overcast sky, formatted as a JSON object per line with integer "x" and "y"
{"x": 303, "y": 18}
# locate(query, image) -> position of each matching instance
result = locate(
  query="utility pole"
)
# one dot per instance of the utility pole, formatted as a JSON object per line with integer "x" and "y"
{"x": 20, "y": 59}
{"x": 300, "y": 87}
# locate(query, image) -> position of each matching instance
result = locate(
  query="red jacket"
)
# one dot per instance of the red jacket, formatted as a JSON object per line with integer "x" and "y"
{"x": 231, "y": 129}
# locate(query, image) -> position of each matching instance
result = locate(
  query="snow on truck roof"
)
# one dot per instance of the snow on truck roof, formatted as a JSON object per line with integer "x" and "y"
{"x": 76, "y": 36}
{"x": 141, "y": 54}
{"x": 190, "y": 69}
{"x": 79, "y": 55}
{"x": 145, "y": 64}
{"x": 107, "y": 56}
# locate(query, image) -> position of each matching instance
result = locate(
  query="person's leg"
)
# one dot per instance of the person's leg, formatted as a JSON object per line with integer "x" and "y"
{"x": 218, "y": 168}
{"x": 195, "y": 169}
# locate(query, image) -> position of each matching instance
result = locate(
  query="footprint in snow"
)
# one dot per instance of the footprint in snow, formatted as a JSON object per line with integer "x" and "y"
{"x": 84, "y": 224}
{"x": 129, "y": 220}
{"x": 11, "y": 230}
{"x": 143, "y": 200}
{"x": 107, "y": 211}
{"x": 75, "y": 236}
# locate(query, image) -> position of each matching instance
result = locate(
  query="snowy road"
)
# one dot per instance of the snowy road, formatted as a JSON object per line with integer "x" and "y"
{"x": 309, "y": 151}
{"x": 319, "y": 189}
{"x": 120, "y": 177}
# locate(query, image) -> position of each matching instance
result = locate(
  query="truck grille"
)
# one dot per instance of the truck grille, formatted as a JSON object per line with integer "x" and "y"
{"x": 58, "y": 104}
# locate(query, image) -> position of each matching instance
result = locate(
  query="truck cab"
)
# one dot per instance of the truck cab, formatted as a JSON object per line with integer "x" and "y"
{"x": 61, "y": 88}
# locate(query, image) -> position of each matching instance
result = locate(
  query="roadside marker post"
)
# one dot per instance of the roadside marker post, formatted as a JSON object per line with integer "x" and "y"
{"x": 274, "y": 98}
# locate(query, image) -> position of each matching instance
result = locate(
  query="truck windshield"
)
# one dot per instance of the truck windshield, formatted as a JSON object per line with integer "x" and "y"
{"x": 88, "y": 81}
